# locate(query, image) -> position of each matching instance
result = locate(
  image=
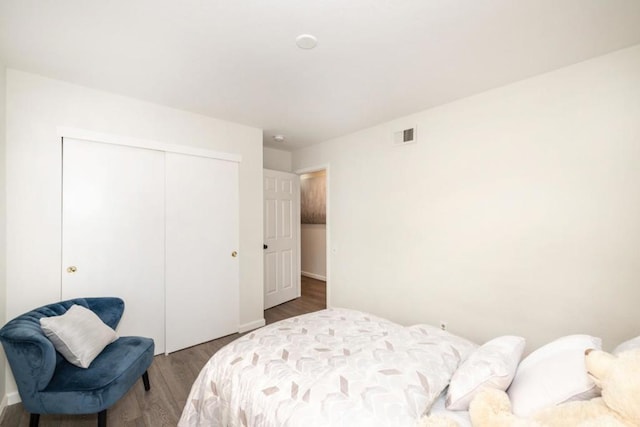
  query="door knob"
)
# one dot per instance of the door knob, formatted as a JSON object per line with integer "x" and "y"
{"x": 265, "y": 246}
{"x": 234, "y": 254}
{"x": 72, "y": 269}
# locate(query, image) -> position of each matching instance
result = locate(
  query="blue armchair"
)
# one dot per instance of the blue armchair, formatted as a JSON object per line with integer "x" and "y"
{"x": 48, "y": 384}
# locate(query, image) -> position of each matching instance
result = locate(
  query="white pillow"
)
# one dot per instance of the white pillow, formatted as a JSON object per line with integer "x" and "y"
{"x": 627, "y": 345}
{"x": 79, "y": 335}
{"x": 493, "y": 365}
{"x": 553, "y": 374}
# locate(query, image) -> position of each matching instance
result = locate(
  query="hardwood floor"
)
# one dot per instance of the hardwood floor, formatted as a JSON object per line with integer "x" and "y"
{"x": 170, "y": 376}
{"x": 314, "y": 297}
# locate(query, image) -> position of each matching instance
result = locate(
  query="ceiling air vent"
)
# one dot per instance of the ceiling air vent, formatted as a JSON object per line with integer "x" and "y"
{"x": 405, "y": 136}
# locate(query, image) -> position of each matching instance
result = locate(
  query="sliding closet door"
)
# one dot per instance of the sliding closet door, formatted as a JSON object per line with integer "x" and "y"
{"x": 202, "y": 296}
{"x": 113, "y": 231}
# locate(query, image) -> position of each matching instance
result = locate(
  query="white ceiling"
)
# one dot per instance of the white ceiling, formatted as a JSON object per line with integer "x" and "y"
{"x": 375, "y": 60}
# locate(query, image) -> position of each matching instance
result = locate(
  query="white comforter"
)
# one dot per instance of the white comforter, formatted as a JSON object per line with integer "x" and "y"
{"x": 333, "y": 367}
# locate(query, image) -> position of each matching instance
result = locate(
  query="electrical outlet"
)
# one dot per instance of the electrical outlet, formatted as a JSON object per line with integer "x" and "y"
{"x": 443, "y": 325}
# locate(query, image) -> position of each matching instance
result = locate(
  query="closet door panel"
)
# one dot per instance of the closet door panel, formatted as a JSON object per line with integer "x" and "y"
{"x": 113, "y": 231}
{"x": 202, "y": 285}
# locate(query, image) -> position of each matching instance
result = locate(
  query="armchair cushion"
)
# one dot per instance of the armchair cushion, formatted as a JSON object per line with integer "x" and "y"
{"x": 84, "y": 391}
{"x": 79, "y": 334}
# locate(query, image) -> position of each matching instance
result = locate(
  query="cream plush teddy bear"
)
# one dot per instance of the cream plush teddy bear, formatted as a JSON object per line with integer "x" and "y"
{"x": 619, "y": 406}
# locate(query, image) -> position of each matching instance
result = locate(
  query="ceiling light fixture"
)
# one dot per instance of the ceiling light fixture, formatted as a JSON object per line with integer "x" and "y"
{"x": 306, "y": 41}
{"x": 278, "y": 138}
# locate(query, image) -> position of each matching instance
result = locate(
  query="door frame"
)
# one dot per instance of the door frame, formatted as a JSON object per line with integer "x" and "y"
{"x": 327, "y": 168}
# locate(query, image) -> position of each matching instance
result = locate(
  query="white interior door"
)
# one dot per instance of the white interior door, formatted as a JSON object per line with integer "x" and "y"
{"x": 202, "y": 268}
{"x": 113, "y": 231}
{"x": 281, "y": 237}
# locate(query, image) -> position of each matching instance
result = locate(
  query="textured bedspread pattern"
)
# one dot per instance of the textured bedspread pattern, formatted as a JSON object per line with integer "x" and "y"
{"x": 333, "y": 367}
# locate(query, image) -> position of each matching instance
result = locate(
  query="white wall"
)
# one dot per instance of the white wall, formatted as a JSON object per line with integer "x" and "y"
{"x": 517, "y": 211}
{"x": 36, "y": 106}
{"x": 3, "y": 223}
{"x": 277, "y": 160}
{"x": 313, "y": 245}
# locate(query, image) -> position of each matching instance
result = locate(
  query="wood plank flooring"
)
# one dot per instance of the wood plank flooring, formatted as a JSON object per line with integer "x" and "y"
{"x": 170, "y": 376}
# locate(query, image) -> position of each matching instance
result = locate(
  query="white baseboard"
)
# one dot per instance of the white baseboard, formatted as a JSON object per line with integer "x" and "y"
{"x": 3, "y": 404}
{"x": 313, "y": 276}
{"x": 9, "y": 399}
{"x": 251, "y": 325}
{"x": 12, "y": 398}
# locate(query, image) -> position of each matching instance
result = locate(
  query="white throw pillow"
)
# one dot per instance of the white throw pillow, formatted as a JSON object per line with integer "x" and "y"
{"x": 553, "y": 374}
{"x": 79, "y": 335}
{"x": 493, "y": 365}
{"x": 632, "y": 344}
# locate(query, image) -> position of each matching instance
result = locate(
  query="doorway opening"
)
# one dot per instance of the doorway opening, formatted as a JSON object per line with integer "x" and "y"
{"x": 296, "y": 265}
{"x": 313, "y": 233}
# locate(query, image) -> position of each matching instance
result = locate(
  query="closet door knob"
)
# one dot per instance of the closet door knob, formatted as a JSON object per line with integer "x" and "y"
{"x": 234, "y": 254}
{"x": 72, "y": 269}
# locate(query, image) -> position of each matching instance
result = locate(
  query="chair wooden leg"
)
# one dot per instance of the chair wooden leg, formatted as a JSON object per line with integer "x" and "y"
{"x": 34, "y": 419}
{"x": 102, "y": 418}
{"x": 145, "y": 380}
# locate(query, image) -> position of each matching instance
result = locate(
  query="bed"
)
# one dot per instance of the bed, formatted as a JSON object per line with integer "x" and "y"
{"x": 461, "y": 418}
{"x": 334, "y": 367}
